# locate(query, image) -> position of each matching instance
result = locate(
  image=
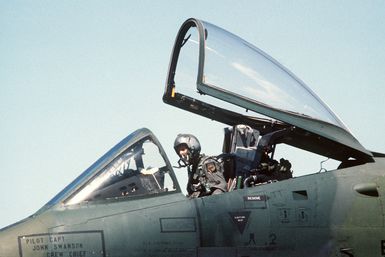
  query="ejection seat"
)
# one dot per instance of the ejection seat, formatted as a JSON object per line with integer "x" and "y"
{"x": 239, "y": 154}
{"x": 246, "y": 154}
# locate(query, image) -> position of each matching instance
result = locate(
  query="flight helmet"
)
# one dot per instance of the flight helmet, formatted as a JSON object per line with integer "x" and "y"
{"x": 192, "y": 144}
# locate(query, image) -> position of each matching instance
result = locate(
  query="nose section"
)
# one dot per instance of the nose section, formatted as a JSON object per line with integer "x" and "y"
{"x": 11, "y": 237}
{"x": 9, "y": 243}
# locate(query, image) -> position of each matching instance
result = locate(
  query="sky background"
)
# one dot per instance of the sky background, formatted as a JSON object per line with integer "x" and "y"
{"x": 76, "y": 77}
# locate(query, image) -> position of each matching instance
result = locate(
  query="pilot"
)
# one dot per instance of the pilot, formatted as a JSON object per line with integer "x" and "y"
{"x": 205, "y": 173}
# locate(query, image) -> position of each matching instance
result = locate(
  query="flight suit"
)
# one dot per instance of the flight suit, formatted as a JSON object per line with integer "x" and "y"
{"x": 206, "y": 178}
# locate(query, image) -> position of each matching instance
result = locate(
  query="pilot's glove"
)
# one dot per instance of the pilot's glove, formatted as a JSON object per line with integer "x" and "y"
{"x": 196, "y": 187}
{"x": 284, "y": 165}
{"x": 266, "y": 167}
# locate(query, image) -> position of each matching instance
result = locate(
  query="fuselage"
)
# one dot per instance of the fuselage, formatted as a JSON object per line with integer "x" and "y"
{"x": 336, "y": 213}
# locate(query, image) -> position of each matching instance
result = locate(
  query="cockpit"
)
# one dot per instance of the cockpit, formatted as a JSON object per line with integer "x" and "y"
{"x": 218, "y": 75}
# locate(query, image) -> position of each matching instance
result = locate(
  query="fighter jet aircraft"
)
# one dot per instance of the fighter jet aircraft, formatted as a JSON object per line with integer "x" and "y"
{"x": 129, "y": 203}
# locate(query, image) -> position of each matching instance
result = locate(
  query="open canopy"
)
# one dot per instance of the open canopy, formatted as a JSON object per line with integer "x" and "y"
{"x": 218, "y": 75}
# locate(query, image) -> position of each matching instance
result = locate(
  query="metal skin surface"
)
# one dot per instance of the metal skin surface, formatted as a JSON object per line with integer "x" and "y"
{"x": 315, "y": 215}
{"x": 338, "y": 213}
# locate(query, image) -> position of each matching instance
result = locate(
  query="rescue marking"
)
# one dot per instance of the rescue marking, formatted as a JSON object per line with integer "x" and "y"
{"x": 240, "y": 219}
{"x": 254, "y": 198}
{"x": 255, "y": 201}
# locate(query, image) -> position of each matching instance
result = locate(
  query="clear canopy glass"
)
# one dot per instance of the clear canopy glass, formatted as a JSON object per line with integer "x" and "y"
{"x": 140, "y": 170}
{"x": 216, "y": 74}
{"x": 136, "y": 166}
{"x": 233, "y": 65}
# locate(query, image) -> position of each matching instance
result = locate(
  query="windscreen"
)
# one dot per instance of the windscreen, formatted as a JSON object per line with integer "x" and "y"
{"x": 140, "y": 170}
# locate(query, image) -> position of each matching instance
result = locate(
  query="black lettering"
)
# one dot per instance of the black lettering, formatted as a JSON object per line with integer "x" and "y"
{"x": 382, "y": 247}
{"x": 77, "y": 254}
{"x": 40, "y": 247}
{"x": 272, "y": 237}
{"x": 56, "y": 239}
{"x": 55, "y": 254}
{"x": 35, "y": 241}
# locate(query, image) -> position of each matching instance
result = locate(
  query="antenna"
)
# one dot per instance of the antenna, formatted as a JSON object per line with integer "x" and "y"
{"x": 322, "y": 168}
